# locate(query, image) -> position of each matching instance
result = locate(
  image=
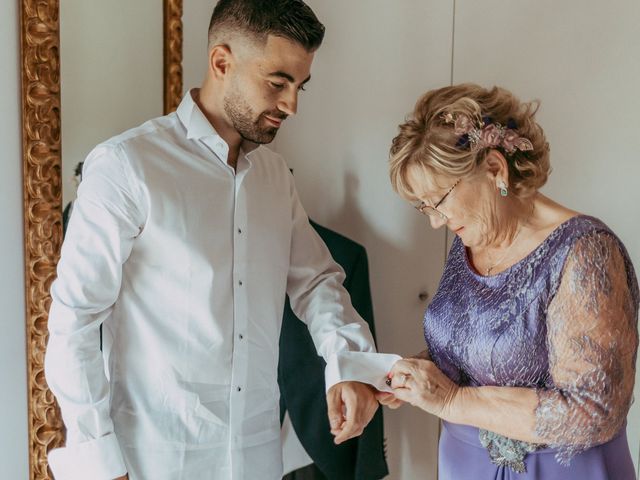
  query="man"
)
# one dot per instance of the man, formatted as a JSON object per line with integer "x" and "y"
{"x": 185, "y": 236}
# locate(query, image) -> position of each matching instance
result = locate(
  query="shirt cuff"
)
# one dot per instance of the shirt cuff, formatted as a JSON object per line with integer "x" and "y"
{"x": 99, "y": 459}
{"x": 364, "y": 367}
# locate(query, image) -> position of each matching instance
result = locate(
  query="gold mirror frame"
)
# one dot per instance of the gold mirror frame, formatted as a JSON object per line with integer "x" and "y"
{"x": 42, "y": 187}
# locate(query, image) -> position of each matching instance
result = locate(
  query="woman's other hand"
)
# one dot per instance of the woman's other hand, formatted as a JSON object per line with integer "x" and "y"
{"x": 422, "y": 384}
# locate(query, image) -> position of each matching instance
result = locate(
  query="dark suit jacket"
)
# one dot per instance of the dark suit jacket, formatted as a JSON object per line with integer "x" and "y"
{"x": 302, "y": 386}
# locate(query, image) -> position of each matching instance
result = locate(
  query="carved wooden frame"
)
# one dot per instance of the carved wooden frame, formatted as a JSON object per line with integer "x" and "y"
{"x": 172, "y": 54}
{"x": 41, "y": 121}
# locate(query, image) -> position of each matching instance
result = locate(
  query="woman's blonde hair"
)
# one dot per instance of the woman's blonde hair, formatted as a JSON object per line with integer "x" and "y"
{"x": 427, "y": 138}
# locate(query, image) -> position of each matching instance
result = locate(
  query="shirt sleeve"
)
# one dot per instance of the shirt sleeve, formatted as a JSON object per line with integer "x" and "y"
{"x": 106, "y": 218}
{"x": 592, "y": 339}
{"x": 357, "y": 284}
{"x": 318, "y": 298}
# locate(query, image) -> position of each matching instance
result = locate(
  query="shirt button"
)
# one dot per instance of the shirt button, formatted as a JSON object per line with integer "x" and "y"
{"x": 240, "y": 231}
{"x": 240, "y": 283}
{"x": 240, "y": 336}
{"x": 239, "y": 389}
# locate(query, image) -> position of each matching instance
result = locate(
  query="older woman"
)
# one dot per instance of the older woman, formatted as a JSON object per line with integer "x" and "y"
{"x": 532, "y": 335}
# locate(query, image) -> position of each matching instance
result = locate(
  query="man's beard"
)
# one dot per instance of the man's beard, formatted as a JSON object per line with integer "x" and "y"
{"x": 247, "y": 123}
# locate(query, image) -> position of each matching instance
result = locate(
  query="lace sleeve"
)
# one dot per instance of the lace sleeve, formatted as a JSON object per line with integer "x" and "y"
{"x": 592, "y": 339}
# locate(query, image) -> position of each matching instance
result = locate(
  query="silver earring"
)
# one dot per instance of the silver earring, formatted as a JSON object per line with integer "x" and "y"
{"x": 504, "y": 191}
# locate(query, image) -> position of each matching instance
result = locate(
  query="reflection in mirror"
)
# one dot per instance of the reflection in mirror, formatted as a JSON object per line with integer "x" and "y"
{"x": 111, "y": 57}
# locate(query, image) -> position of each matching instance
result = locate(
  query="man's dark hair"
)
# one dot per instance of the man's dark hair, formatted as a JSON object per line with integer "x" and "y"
{"x": 291, "y": 19}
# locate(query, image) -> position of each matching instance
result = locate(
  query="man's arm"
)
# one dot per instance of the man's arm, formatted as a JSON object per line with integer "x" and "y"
{"x": 314, "y": 285}
{"x": 106, "y": 218}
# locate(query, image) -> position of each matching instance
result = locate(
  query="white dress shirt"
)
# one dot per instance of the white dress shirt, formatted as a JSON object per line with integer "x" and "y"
{"x": 185, "y": 262}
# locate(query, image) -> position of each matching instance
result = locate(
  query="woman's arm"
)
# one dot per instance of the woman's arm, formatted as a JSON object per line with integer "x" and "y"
{"x": 508, "y": 411}
{"x": 422, "y": 384}
{"x": 592, "y": 339}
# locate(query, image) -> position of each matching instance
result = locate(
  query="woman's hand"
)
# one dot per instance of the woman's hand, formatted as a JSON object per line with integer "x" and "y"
{"x": 389, "y": 399}
{"x": 422, "y": 384}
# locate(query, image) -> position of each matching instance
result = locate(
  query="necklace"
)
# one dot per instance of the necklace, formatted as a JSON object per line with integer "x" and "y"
{"x": 504, "y": 255}
{"x": 506, "y": 252}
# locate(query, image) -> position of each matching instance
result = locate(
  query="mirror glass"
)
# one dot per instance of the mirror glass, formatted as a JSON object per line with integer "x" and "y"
{"x": 111, "y": 64}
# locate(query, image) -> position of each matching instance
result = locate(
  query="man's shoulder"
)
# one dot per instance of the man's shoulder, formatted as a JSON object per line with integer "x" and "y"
{"x": 118, "y": 150}
{"x": 147, "y": 132}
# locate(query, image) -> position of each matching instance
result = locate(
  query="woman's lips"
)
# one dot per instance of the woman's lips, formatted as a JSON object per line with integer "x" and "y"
{"x": 458, "y": 230}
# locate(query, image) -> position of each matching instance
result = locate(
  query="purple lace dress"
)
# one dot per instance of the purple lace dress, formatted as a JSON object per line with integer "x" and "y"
{"x": 562, "y": 321}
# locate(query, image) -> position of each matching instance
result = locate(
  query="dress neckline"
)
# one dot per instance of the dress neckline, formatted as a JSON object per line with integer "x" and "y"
{"x": 552, "y": 234}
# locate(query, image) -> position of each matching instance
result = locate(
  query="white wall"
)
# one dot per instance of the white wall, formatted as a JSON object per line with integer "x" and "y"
{"x": 13, "y": 375}
{"x": 582, "y": 60}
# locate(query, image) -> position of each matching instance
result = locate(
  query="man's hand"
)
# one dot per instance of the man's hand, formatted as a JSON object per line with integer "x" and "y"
{"x": 125, "y": 477}
{"x": 351, "y": 407}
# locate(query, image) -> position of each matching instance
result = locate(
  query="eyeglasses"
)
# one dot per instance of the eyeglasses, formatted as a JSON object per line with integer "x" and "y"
{"x": 433, "y": 211}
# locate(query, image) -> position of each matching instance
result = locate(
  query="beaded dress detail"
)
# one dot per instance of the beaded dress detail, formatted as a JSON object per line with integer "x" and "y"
{"x": 563, "y": 321}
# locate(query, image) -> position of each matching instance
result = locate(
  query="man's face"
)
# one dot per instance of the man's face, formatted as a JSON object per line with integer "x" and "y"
{"x": 263, "y": 89}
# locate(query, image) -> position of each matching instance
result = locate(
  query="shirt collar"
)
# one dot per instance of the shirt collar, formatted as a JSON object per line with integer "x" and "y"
{"x": 197, "y": 124}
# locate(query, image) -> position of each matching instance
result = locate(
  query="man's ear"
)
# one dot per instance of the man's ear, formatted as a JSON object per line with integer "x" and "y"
{"x": 496, "y": 166}
{"x": 220, "y": 60}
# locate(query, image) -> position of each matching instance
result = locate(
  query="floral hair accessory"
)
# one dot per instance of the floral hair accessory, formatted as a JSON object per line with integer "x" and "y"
{"x": 487, "y": 134}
